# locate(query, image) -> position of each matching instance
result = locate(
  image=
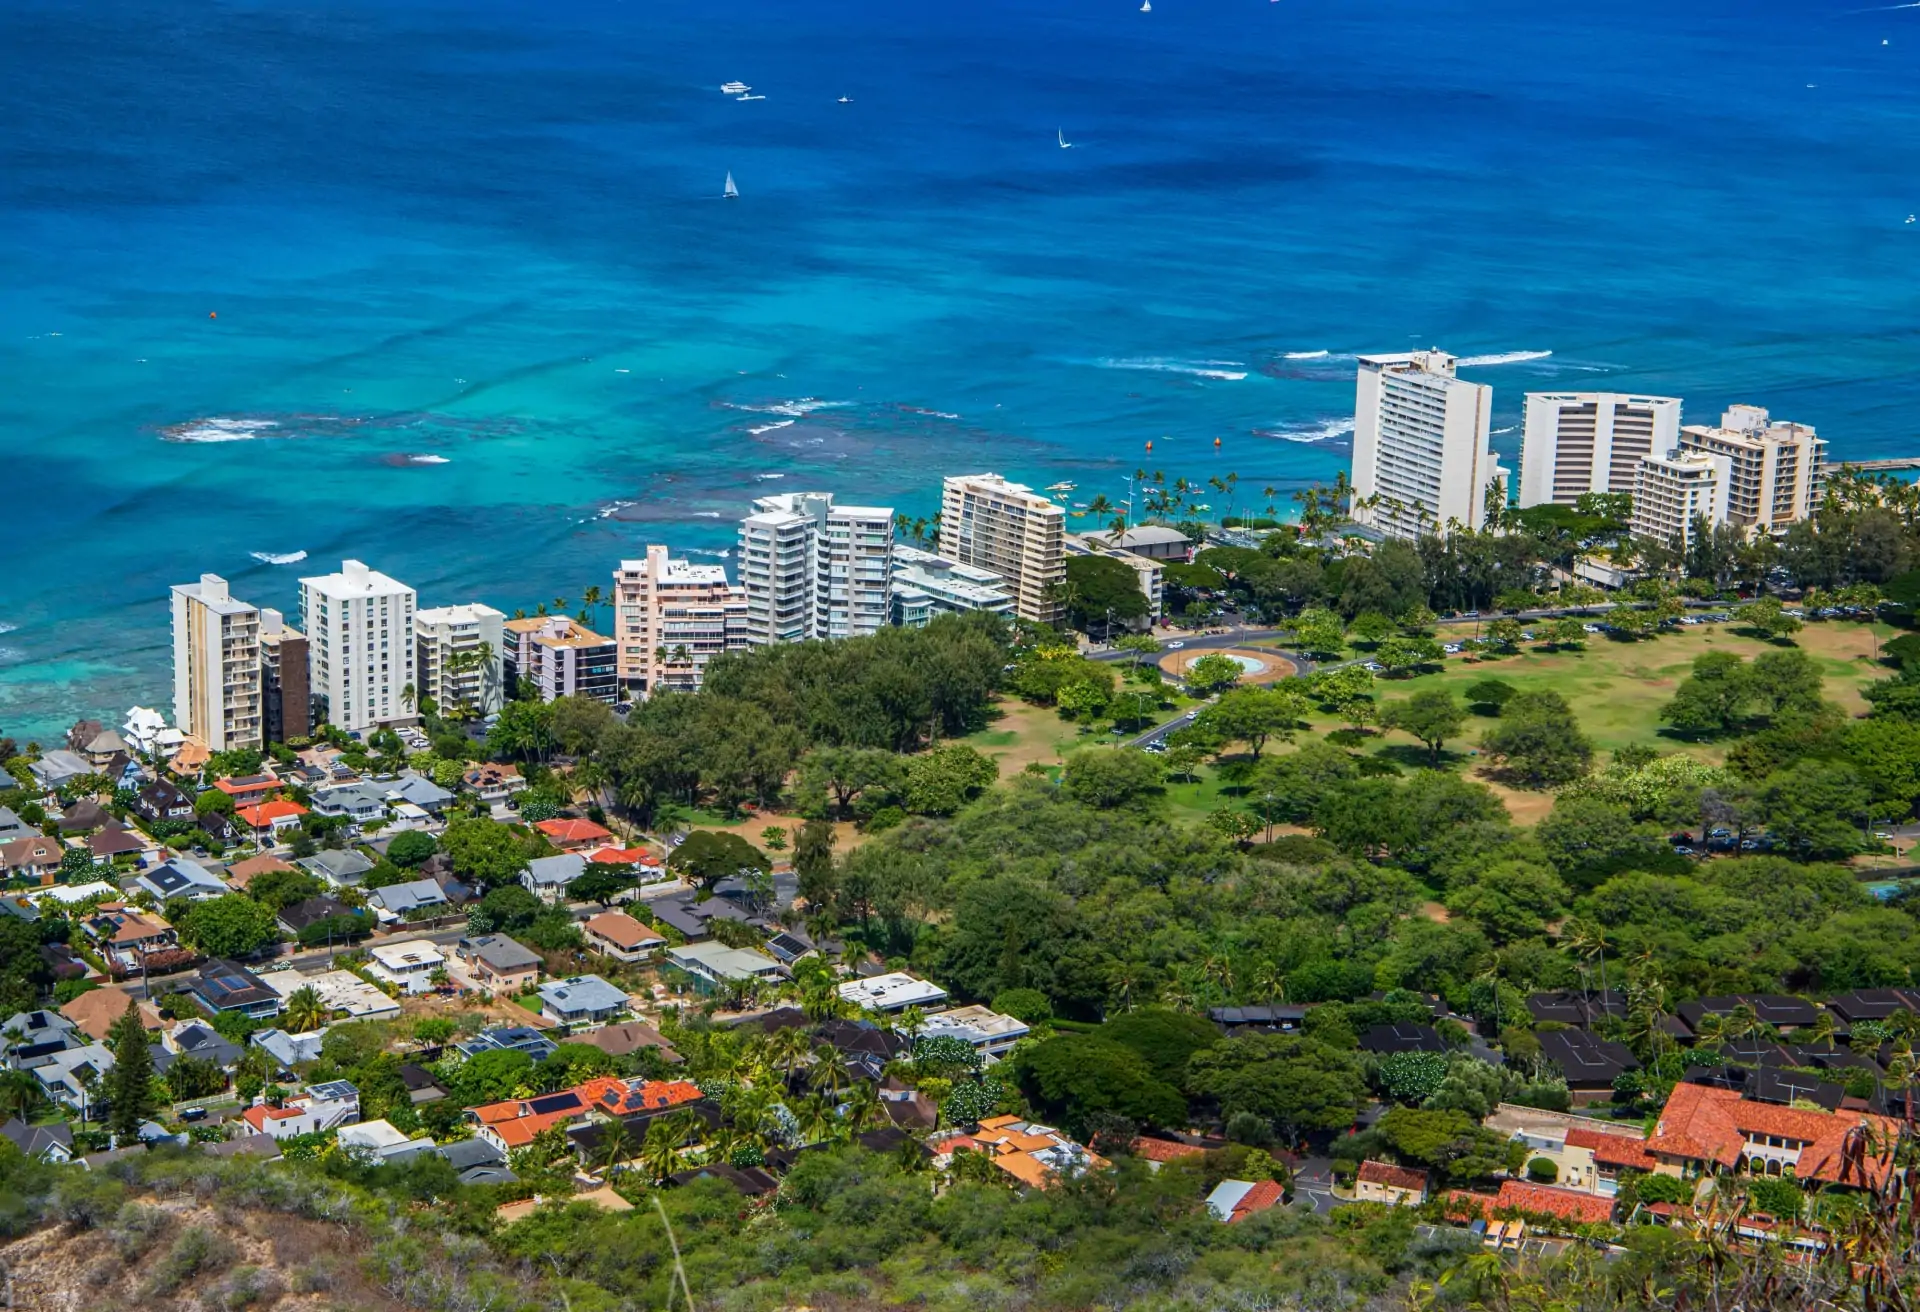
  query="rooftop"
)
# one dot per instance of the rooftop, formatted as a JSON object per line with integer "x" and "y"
{"x": 892, "y": 992}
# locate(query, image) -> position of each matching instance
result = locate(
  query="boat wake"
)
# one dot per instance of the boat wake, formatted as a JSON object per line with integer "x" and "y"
{"x": 275, "y": 558}
{"x": 1324, "y": 431}
{"x": 1230, "y": 371}
{"x": 775, "y": 426}
{"x": 1506, "y": 357}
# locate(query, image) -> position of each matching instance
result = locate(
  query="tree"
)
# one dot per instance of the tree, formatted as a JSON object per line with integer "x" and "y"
{"x": 1767, "y": 618}
{"x": 709, "y": 856}
{"x": 600, "y": 883}
{"x": 484, "y": 851}
{"x": 128, "y": 1084}
{"x": 1097, "y": 588}
{"x": 282, "y": 888}
{"x": 1510, "y": 900}
{"x": 490, "y": 1077}
{"x": 1076, "y": 1077}
{"x": 508, "y": 908}
{"x": 1296, "y": 1083}
{"x": 1487, "y": 696}
{"x": 1398, "y": 654}
{"x": 411, "y": 848}
{"x": 194, "y": 1077}
{"x": 305, "y": 1010}
{"x": 1714, "y": 698}
{"x": 942, "y": 780}
{"x": 1538, "y": 742}
{"x": 1319, "y": 632}
{"x": 1252, "y": 716}
{"x": 213, "y": 802}
{"x": 1815, "y": 808}
{"x": 1166, "y": 1040}
{"x": 1411, "y": 1077}
{"x": 1432, "y": 716}
{"x": 578, "y": 723}
{"x": 1111, "y": 777}
{"x": 813, "y": 862}
{"x": 1213, "y": 673}
{"x": 230, "y": 926}
{"x": 844, "y": 774}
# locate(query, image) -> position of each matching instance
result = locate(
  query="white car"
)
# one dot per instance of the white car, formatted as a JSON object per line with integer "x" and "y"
{"x": 1451, "y": 649}
{"x": 1176, "y": 646}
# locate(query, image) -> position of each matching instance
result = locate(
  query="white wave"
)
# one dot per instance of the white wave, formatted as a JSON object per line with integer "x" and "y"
{"x": 1306, "y": 355}
{"x": 931, "y": 414}
{"x": 722, "y": 554}
{"x": 6, "y": 627}
{"x": 775, "y": 426}
{"x": 1500, "y": 432}
{"x": 428, "y": 460}
{"x": 1324, "y": 431}
{"x": 799, "y": 409}
{"x": 219, "y": 429}
{"x": 767, "y": 478}
{"x": 1230, "y": 371}
{"x": 706, "y": 514}
{"x": 278, "y": 558}
{"x": 1507, "y": 357}
{"x": 609, "y": 510}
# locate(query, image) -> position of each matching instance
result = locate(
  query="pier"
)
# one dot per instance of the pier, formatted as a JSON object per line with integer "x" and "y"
{"x": 1882, "y": 466}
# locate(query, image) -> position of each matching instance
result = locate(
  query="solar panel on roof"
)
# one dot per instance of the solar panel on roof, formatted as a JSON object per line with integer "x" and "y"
{"x": 554, "y": 1102}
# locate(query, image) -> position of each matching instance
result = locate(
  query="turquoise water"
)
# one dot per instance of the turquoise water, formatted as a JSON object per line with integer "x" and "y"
{"x": 491, "y": 234}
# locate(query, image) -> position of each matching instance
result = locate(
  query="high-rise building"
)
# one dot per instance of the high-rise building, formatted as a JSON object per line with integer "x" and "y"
{"x": 458, "y": 653}
{"x": 926, "y": 585}
{"x": 1675, "y": 495}
{"x": 359, "y": 627}
{"x": 284, "y": 700}
{"x": 1777, "y": 469}
{"x": 1010, "y": 530}
{"x": 670, "y": 618}
{"x": 1421, "y": 462}
{"x": 1580, "y": 442}
{"x": 216, "y": 666}
{"x": 812, "y": 569}
{"x": 562, "y": 658}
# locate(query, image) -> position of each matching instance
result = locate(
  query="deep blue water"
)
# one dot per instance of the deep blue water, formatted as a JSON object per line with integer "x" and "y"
{"x": 490, "y": 232}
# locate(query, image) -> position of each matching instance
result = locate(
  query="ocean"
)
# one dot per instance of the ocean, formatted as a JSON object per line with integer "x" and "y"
{"x": 451, "y": 288}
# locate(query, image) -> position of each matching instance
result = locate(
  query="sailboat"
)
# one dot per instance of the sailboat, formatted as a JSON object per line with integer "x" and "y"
{"x": 1146, "y": 6}
{"x": 1064, "y": 143}
{"x": 732, "y": 192}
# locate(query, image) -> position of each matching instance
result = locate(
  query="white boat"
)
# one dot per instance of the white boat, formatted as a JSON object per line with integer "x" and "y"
{"x": 1061, "y": 487}
{"x": 749, "y": 97}
{"x": 732, "y": 192}
{"x": 846, "y": 100}
{"x": 1064, "y": 143}
{"x": 735, "y": 88}
{"x": 1146, "y": 6}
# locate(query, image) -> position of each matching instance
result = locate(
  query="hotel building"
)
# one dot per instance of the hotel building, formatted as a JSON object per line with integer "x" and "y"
{"x": 458, "y": 649}
{"x": 1010, "y": 530}
{"x": 1675, "y": 494}
{"x": 216, "y": 666}
{"x": 561, "y": 658}
{"x": 1581, "y": 442}
{"x": 672, "y": 617}
{"x": 1777, "y": 469}
{"x": 1421, "y": 462}
{"x": 812, "y": 569}
{"x": 359, "y": 627}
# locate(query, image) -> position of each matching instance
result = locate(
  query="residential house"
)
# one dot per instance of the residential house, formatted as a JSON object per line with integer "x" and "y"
{"x": 893, "y": 992}
{"x": 30, "y": 1038}
{"x": 200, "y": 1041}
{"x": 1384, "y": 1182}
{"x": 224, "y": 829}
{"x": 1706, "y": 1130}
{"x": 25, "y": 904}
{"x": 1233, "y": 1201}
{"x": 422, "y": 1087}
{"x": 509, "y": 1038}
{"x": 714, "y": 963}
{"x": 624, "y": 1038}
{"x": 32, "y": 858}
{"x": 513, "y": 1124}
{"x": 83, "y": 817}
{"x": 493, "y": 783}
{"x": 984, "y": 1030}
{"x": 1401, "y": 1036}
{"x": 63, "y": 962}
{"x": 128, "y": 939}
{"x": 1783, "y": 1012}
{"x": 12, "y": 826}
{"x": 395, "y": 901}
{"x": 1156, "y": 1153}
{"x": 1590, "y": 1064}
{"x": 380, "y": 1141}
{"x": 417, "y": 790}
{"x": 341, "y": 992}
{"x": 296, "y": 918}
{"x": 497, "y": 963}
{"x": 289, "y": 1050}
{"x": 646, "y": 867}
{"x": 112, "y": 841}
{"x": 1861, "y": 1004}
{"x": 1567, "y": 1205}
{"x": 342, "y": 867}
{"x": 48, "y": 1143}
{"x": 242, "y": 873}
{"x": 58, "y": 768}
{"x": 360, "y": 803}
{"x": 94, "y": 1012}
{"x": 409, "y": 966}
{"x": 321, "y": 1108}
{"x": 1034, "y": 1155}
{"x": 71, "y": 1077}
{"x": 1268, "y": 1019}
{"x": 146, "y": 731}
{"x": 246, "y": 790}
{"x": 227, "y": 986}
{"x": 581, "y": 1000}
{"x": 621, "y": 937}
{"x": 101, "y": 747}
{"x": 573, "y": 835}
{"x": 547, "y": 877}
{"x": 1580, "y": 1009}
{"x": 692, "y": 919}
{"x": 270, "y": 820}
{"x": 179, "y": 877}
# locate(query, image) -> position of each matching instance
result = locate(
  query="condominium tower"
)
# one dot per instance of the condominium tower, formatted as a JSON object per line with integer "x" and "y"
{"x": 812, "y": 569}
{"x": 216, "y": 666}
{"x": 671, "y": 617}
{"x": 458, "y": 653}
{"x": 1421, "y": 462}
{"x": 1010, "y": 530}
{"x": 1777, "y": 469}
{"x": 285, "y": 702}
{"x": 561, "y": 657}
{"x": 1581, "y": 442}
{"x": 359, "y": 626}
{"x": 1676, "y": 495}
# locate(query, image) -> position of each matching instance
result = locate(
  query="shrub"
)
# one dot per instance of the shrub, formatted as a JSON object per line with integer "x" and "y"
{"x": 1776, "y": 1197}
{"x": 195, "y": 1251}
{"x": 1543, "y": 1169}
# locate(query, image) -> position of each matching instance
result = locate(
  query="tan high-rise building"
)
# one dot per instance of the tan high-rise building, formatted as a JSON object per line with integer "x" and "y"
{"x": 459, "y": 653}
{"x": 1582, "y": 442}
{"x": 1777, "y": 469}
{"x": 1421, "y": 462}
{"x": 672, "y": 617}
{"x": 1674, "y": 496}
{"x": 1010, "y": 530}
{"x": 216, "y": 666}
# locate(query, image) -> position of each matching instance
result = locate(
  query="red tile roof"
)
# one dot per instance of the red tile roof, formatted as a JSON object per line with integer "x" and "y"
{"x": 1700, "y": 1123}
{"x": 1164, "y": 1150}
{"x": 621, "y": 1099}
{"x": 1613, "y": 1149}
{"x": 623, "y": 856}
{"x": 574, "y": 831}
{"x": 1567, "y": 1204}
{"x": 259, "y": 817}
{"x": 1393, "y": 1177}
{"x": 1264, "y": 1194}
{"x": 258, "y": 1116}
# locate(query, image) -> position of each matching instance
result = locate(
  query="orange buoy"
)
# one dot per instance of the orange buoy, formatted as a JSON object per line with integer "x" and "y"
{"x": 213, "y": 314}
{"x": 1216, "y": 444}
{"x": 1149, "y": 446}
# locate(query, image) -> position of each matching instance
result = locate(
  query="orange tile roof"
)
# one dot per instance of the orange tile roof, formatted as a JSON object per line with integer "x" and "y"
{"x": 258, "y": 1116}
{"x": 1393, "y": 1177}
{"x": 1264, "y": 1194}
{"x": 1567, "y": 1204}
{"x": 241, "y": 873}
{"x": 1613, "y": 1149}
{"x": 1024, "y": 1167}
{"x": 520, "y": 1133}
{"x": 259, "y": 817}
{"x": 573, "y": 831}
{"x": 247, "y": 788}
{"x": 621, "y": 1098}
{"x": 1163, "y": 1150}
{"x": 623, "y": 856}
{"x": 1701, "y": 1123}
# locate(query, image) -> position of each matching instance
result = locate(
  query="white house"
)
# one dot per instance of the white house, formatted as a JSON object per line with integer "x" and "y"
{"x": 409, "y": 965}
{"x": 547, "y": 877}
{"x": 984, "y": 1030}
{"x": 583, "y": 998}
{"x": 893, "y": 992}
{"x": 321, "y": 1108}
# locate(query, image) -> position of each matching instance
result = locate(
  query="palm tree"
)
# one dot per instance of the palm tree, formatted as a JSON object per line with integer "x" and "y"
{"x": 616, "y": 1145}
{"x": 1099, "y": 506}
{"x": 591, "y": 599}
{"x": 788, "y": 1048}
{"x": 409, "y": 696}
{"x": 659, "y": 1153}
{"x": 305, "y": 1011}
{"x": 1823, "y": 1029}
{"x": 817, "y": 1119}
{"x": 920, "y": 532}
{"x": 20, "y": 1094}
{"x": 559, "y": 605}
{"x": 863, "y": 1106}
